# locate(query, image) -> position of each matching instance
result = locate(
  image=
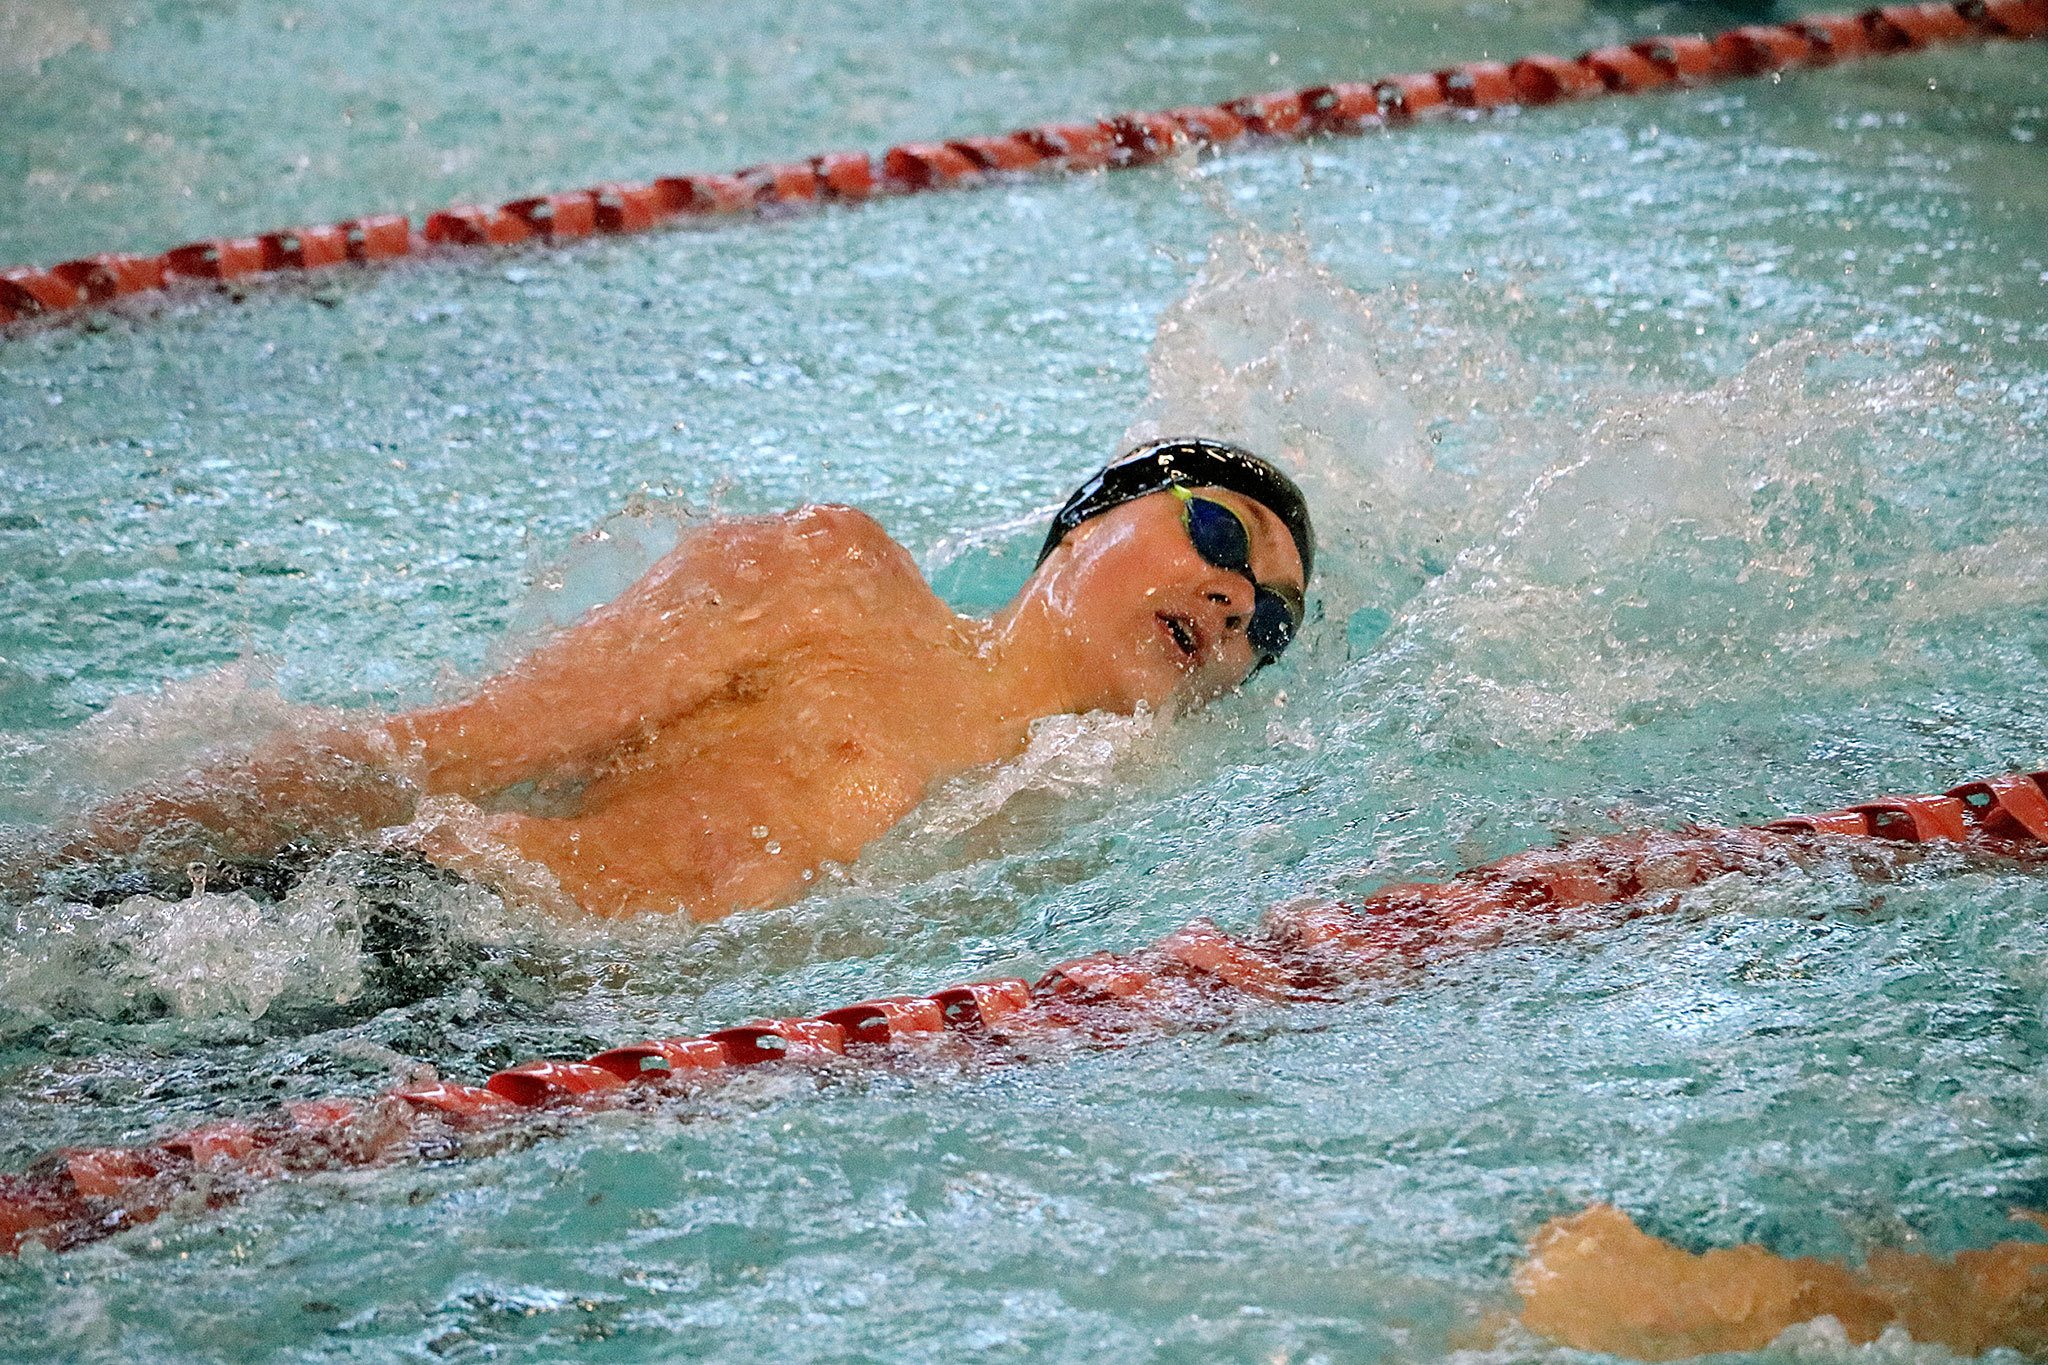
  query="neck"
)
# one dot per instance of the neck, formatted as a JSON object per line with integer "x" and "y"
{"x": 1029, "y": 676}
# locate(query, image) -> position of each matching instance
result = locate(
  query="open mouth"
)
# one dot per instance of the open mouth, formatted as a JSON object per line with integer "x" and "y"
{"x": 1182, "y": 632}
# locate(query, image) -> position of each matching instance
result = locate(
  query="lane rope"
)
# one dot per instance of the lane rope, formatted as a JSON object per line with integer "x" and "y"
{"x": 1126, "y": 140}
{"x": 1194, "y": 978}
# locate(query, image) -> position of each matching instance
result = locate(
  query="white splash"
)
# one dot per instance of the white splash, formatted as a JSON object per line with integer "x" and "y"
{"x": 1547, "y": 562}
{"x": 150, "y": 734}
{"x": 1065, "y": 756}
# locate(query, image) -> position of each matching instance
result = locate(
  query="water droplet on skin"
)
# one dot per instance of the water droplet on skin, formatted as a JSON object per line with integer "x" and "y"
{"x": 773, "y": 846}
{"x": 759, "y": 831}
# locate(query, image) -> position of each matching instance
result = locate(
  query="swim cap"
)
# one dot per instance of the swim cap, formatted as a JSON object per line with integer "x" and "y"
{"x": 1190, "y": 462}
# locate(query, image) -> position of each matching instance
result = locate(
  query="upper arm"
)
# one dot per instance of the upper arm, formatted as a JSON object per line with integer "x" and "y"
{"x": 728, "y": 600}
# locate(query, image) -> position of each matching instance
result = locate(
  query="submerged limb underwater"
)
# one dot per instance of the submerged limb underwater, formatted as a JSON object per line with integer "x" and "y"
{"x": 1594, "y": 1281}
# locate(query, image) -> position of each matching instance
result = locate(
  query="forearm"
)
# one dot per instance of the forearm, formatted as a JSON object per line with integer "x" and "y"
{"x": 1596, "y": 1282}
{"x": 535, "y": 723}
{"x": 336, "y": 784}
{"x": 708, "y": 614}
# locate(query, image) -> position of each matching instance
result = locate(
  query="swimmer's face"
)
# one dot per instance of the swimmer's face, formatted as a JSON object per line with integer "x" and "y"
{"x": 1143, "y": 617}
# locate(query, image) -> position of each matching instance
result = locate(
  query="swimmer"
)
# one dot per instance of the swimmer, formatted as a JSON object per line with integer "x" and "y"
{"x": 1596, "y": 1282}
{"x": 776, "y": 693}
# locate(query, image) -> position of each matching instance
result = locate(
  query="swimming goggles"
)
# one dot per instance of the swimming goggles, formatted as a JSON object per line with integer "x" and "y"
{"x": 1224, "y": 542}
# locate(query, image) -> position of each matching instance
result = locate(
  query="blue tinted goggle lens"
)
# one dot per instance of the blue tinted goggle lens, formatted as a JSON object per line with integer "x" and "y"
{"x": 1272, "y": 626}
{"x": 1221, "y": 539}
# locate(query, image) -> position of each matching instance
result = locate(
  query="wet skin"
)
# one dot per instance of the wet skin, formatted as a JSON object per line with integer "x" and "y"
{"x": 779, "y": 692}
{"x": 775, "y": 694}
{"x": 1596, "y": 1282}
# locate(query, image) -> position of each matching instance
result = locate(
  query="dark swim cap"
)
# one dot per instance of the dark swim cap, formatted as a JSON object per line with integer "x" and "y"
{"x": 1189, "y": 462}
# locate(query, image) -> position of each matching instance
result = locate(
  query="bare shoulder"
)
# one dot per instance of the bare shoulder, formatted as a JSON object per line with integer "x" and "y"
{"x": 834, "y": 530}
{"x": 832, "y": 542}
{"x": 820, "y": 548}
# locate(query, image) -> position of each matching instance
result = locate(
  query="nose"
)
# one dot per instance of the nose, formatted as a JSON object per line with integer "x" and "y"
{"x": 1230, "y": 601}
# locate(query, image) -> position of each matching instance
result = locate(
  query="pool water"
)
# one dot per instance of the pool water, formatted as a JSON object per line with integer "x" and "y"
{"x": 1678, "y": 458}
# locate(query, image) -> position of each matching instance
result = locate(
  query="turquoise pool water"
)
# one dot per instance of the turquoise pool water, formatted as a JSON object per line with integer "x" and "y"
{"x": 1683, "y": 459}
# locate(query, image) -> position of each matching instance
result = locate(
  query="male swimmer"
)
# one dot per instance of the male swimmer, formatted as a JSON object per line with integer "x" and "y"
{"x": 774, "y": 695}
{"x": 1594, "y": 1281}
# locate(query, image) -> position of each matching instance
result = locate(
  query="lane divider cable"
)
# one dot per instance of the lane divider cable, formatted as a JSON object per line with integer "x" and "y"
{"x": 1125, "y": 140}
{"x": 1196, "y": 977}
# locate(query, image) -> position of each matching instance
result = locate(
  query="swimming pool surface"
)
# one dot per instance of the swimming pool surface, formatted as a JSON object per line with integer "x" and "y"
{"x": 1678, "y": 458}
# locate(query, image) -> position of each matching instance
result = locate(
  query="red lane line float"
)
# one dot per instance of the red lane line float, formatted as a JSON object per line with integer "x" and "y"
{"x": 1478, "y": 85}
{"x": 890, "y": 1020}
{"x": 1277, "y": 114}
{"x": 1546, "y": 80}
{"x": 1073, "y": 146}
{"x": 111, "y": 275}
{"x": 777, "y": 1040}
{"x": 1842, "y": 822}
{"x": 319, "y": 1115}
{"x": 1899, "y": 28}
{"x": 1144, "y": 138}
{"x": 471, "y": 225}
{"x": 2013, "y": 807}
{"x": 847, "y": 176}
{"x": 1689, "y": 59}
{"x": 1210, "y": 954}
{"x": 1623, "y": 70}
{"x": 627, "y": 208}
{"x": 557, "y": 217}
{"x": 1098, "y": 977}
{"x": 1346, "y": 107}
{"x": 1915, "y": 818}
{"x": 1835, "y": 37}
{"x": 1309, "y": 949}
{"x": 2015, "y": 19}
{"x": 1134, "y": 139}
{"x": 107, "y": 1172}
{"x": 795, "y": 183}
{"x": 30, "y": 1208}
{"x": 986, "y": 1006}
{"x": 309, "y": 248}
{"x": 538, "y": 1083}
{"x": 1758, "y": 49}
{"x": 380, "y": 237}
{"x": 926, "y": 166}
{"x": 703, "y": 195}
{"x": 1209, "y": 125}
{"x": 661, "y": 1060}
{"x": 1008, "y": 153}
{"x": 1336, "y": 939}
{"x": 28, "y": 292}
{"x": 1408, "y": 97}
{"x": 458, "y": 1101}
{"x": 224, "y": 259}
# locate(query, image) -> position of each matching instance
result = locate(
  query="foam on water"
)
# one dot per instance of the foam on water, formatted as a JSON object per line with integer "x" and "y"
{"x": 147, "y": 734}
{"x": 1577, "y": 554}
{"x": 212, "y": 954}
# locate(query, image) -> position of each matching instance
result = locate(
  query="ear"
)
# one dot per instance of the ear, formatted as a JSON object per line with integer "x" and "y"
{"x": 1044, "y": 569}
{"x": 1071, "y": 542}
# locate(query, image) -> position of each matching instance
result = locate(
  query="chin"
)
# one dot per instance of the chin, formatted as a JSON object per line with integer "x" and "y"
{"x": 1135, "y": 673}
{"x": 1196, "y": 692}
{"x": 1129, "y": 685}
